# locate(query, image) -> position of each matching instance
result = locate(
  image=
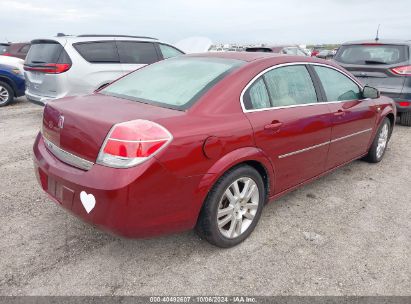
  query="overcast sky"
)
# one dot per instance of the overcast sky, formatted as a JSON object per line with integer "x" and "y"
{"x": 286, "y": 21}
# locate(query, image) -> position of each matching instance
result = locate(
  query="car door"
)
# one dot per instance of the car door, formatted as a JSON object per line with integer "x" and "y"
{"x": 353, "y": 118}
{"x": 290, "y": 125}
{"x": 136, "y": 54}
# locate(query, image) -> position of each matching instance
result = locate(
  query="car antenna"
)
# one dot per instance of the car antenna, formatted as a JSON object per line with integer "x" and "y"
{"x": 378, "y": 33}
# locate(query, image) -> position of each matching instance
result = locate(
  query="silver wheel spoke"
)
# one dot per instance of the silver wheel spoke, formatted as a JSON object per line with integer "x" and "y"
{"x": 232, "y": 227}
{"x": 250, "y": 192}
{"x": 245, "y": 189}
{"x": 251, "y": 206}
{"x": 229, "y": 196}
{"x": 237, "y": 192}
{"x": 225, "y": 211}
{"x": 225, "y": 221}
{"x": 249, "y": 216}
{"x": 238, "y": 226}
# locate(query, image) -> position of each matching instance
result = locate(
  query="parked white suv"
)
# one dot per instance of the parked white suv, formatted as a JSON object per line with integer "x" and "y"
{"x": 77, "y": 65}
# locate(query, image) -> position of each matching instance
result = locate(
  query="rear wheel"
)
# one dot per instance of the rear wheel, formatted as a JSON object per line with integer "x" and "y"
{"x": 379, "y": 145}
{"x": 405, "y": 119}
{"x": 6, "y": 94}
{"x": 232, "y": 208}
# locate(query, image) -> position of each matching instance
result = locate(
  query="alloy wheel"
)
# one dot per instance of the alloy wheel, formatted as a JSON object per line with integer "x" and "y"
{"x": 382, "y": 140}
{"x": 4, "y": 95}
{"x": 238, "y": 207}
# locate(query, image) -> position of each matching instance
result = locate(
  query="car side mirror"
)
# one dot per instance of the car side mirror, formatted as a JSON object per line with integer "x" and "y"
{"x": 370, "y": 92}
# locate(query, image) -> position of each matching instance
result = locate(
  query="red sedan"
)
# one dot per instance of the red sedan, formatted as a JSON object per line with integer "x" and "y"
{"x": 205, "y": 141}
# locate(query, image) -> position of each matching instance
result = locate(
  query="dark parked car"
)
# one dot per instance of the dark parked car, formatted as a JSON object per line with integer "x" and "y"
{"x": 18, "y": 50}
{"x": 11, "y": 84}
{"x": 4, "y": 47}
{"x": 205, "y": 141}
{"x": 278, "y": 49}
{"x": 383, "y": 64}
{"x": 326, "y": 54}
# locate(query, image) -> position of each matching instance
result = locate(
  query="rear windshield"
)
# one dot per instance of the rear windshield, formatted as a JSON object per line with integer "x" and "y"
{"x": 372, "y": 54}
{"x": 256, "y": 49}
{"x": 47, "y": 52}
{"x": 173, "y": 83}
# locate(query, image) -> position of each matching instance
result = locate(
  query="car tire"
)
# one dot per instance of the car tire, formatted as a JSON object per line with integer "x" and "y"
{"x": 380, "y": 142}
{"x": 405, "y": 119}
{"x": 6, "y": 94}
{"x": 243, "y": 207}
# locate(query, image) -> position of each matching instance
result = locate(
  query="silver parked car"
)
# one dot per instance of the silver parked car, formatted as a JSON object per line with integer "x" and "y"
{"x": 77, "y": 65}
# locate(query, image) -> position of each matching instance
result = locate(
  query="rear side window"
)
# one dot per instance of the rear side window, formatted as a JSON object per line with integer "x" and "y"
{"x": 98, "y": 52}
{"x": 169, "y": 51}
{"x": 46, "y": 52}
{"x": 372, "y": 54}
{"x": 256, "y": 97}
{"x": 337, "y": 86}
{"x": 256, "y": 49}
{"x": 137, "y": 52}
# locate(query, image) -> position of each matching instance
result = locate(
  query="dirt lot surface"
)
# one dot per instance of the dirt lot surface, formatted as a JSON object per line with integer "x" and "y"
{"x": 348, "y": 233}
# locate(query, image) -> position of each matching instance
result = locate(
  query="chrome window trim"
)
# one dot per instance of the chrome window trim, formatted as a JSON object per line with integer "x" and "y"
{"x": 251, "y": 82}
{"x": 323, "y": 144}
{"x": 67, "y": 157}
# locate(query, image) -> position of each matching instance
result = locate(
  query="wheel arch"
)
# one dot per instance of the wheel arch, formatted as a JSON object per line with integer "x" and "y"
{"x": 10, "y": 83}
{"x": 250, "y": 156}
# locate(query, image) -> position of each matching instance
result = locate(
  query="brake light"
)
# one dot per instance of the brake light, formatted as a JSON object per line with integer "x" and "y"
{"x": 402, "y": 70}
{"x": 404, "y": 103}
{"x": 6, "y": 54}
{"x": 49, "y": 68}
{"x": 133, "y": 142}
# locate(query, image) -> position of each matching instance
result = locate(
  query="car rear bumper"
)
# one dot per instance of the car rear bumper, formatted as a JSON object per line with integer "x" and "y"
{"x": 37, "y": 99}
{"x": 142, "y": 201}
{"x": 403, "y": 105}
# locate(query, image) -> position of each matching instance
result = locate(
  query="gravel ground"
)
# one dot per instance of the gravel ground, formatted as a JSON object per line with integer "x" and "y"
{"x": 348, "y": 233}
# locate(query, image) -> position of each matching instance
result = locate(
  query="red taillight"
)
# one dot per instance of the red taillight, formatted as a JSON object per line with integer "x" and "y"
{"x": 6, "y": 54}
{"x": 132, "y": 142}
{"x": 402, "y": 70}
{"x": 49, "y": 68}
{"x": 404, "y": 103}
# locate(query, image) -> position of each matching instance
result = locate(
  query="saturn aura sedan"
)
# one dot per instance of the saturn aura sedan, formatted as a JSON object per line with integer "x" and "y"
{"x": 204, "y": 141}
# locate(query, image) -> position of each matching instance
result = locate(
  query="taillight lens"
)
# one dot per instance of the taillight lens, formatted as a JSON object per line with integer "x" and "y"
{"x": 49, "y": 68}
{"x": 404, "y": 103}
{"x": 131, "y": 143}
{"x": 402, "y": 70}
{"x": 6, "y": 54}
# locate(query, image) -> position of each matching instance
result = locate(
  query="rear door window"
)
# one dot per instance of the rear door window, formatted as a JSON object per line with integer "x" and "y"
{"x": 98, "y": 52}
{"x": 46, "y": 52}
{"x": 337, "y": 86}
{"x": 169, "y": 51}
{"x": 291, "y": 85}
{"x": 372, "y": 54}
{"x": 137, "y": 52}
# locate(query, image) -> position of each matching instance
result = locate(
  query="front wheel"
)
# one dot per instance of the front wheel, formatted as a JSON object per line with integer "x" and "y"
{"x": 232, "y": 208}
{"x": 379, "y": 145}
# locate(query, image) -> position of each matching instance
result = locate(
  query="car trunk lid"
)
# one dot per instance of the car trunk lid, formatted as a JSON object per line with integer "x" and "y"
{"x": 79, "y": 125}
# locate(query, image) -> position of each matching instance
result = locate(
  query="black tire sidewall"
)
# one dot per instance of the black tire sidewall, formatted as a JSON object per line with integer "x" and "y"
{"x": 11, "y": 93}
{"x": 213, "y": 234}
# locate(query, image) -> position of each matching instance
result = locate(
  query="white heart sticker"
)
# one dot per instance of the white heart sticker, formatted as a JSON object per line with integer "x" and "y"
{"x": 88, "y": 201}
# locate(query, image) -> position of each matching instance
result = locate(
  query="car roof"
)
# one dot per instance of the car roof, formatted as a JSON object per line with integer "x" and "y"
{"x": 87, "y": 38}
{"x": 259, "y": 56}
{"x": 381, "y": 41}
{"x": 244, "y": 56}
